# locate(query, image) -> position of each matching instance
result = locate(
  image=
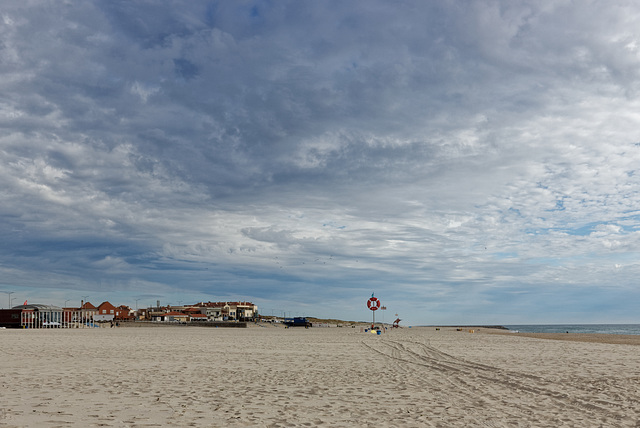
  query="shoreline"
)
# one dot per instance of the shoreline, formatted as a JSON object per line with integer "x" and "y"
{"x": 612, "y": 339}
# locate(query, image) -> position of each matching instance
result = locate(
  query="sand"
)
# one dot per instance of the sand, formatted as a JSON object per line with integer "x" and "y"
{"x": 331, "y": 377}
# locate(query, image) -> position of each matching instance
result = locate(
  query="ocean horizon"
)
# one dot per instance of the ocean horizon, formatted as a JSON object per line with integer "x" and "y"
{"x": 576, "y": 328}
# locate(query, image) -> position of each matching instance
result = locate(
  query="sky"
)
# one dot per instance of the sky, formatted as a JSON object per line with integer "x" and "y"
{"x": 467, "y": 162}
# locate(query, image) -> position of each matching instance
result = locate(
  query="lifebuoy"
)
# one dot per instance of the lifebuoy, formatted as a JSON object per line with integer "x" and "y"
{"x": 373, "y": 304}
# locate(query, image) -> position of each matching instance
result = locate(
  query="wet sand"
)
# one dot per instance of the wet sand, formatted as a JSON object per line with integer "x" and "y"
{"x": 333, "y": 377}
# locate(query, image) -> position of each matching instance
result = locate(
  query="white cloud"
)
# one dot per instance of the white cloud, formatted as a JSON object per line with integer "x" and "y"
{"x": 322, "y": 149}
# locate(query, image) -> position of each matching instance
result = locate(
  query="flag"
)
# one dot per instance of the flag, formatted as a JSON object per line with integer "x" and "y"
{"x": 25, "y": 302}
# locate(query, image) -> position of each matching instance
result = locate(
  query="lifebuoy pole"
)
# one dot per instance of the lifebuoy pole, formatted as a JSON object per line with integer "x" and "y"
{"x": 373, "y": 304}
{"x": 374, "y": 319}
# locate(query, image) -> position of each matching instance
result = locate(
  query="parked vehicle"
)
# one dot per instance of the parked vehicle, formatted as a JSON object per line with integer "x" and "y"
{"x": 297, "y": 322}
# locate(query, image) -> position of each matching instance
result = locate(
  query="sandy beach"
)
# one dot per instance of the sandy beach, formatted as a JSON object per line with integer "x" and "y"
{"x": 333, "y": 377}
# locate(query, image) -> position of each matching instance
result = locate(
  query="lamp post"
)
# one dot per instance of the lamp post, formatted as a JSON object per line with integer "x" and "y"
{"x": 9, "y": 293}
{"x": 83, "y": 313}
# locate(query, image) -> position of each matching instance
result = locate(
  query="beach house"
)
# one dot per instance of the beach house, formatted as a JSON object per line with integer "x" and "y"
{"x": 106, "y": 312}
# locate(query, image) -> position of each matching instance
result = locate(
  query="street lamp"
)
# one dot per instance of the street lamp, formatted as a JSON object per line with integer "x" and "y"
{"x": 137, "y": 312}
{"x": 9, "y": 293}
{"x": 83, "y": 313}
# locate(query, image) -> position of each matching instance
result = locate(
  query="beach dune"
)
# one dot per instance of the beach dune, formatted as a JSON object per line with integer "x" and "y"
{"x": 333, "y": 377}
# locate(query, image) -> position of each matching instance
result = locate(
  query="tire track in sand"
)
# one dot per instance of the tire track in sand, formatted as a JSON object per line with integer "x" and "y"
{"x": 519, "y": 395}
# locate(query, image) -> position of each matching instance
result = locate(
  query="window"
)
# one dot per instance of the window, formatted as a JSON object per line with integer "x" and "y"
{"x": 111, "y": 310}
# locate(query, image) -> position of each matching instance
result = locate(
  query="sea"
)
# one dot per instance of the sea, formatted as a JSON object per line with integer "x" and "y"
{"x": 577, "y": 328}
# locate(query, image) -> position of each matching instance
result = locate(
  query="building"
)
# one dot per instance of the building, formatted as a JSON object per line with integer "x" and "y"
{"x": 40, "y": 316}
{"x": 10, "y": 318}
{"x": 230, "y": 311}
{"x": 143, "y": 314}
{"x": 49, "y": 316}
{"x": 88, "y": 310}
{"x": 36, "y": 315}
{"x": 124, "y": 313}
{"x": 173, "y": 316}
{"x": 245, "y": 311}
{"x": 106, "y": 312}
{"x": 197, "y": 317}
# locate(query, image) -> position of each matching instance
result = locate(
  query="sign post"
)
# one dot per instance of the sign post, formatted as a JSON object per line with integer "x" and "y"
{"x": 373, "y": 304}
{"x": 383, "y": 308}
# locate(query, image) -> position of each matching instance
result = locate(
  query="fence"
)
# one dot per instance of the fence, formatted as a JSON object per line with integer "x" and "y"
{"x": 56, "y": 319}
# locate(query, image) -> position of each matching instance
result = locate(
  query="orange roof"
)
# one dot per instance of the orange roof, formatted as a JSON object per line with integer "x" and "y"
{"x": 107, "y": 304}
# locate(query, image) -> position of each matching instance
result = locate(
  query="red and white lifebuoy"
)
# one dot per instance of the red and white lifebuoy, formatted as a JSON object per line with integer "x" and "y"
{"x": 373, "y": 304}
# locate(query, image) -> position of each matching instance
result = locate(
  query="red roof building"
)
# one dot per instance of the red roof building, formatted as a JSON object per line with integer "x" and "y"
{"x": 198, "y": 317}
{"x": 106, "y": 308}
{"x": 123, "y": 312}
{"x": 88, "y": 310}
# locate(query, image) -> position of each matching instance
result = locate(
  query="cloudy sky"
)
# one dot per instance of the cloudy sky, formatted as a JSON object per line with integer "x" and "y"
{"x": 467, "y": 162}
